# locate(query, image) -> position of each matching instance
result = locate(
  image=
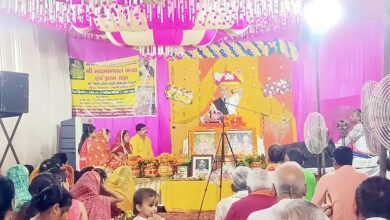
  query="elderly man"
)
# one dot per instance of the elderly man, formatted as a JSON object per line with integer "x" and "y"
{"x": 289, "y": 184}
{"x": 295, "y": 154}
{"x": 239, "y": 185}
{"x": 260, "y": 196}
{"x": 340, "y": 185}
{"x": 373, "y": 199}
{"x": 229, "y": 100}
{"x": 293, "y": 209}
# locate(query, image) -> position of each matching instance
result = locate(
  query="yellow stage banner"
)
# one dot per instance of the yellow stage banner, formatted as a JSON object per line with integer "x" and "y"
{"x": 124, "y": 87}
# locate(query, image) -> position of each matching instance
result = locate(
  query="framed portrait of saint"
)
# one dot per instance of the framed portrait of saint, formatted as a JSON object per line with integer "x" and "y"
{"x": 242, "y": 141}
{"x": 182, "y": 172}
{"x": 201, "y": 164}
{"x": 204, "y": 142}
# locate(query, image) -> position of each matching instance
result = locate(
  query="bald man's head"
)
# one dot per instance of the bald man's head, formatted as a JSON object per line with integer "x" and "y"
{"x": 290, "y": 181}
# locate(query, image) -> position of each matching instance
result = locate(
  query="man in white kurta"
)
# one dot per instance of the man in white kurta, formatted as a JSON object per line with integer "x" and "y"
{"x": 356, "y": 135}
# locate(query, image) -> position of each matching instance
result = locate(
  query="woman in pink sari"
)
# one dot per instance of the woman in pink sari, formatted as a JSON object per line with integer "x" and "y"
{"x": 89, "y": 134}
{"x": 122, "y": 147}
{"x": 87, "y": 190}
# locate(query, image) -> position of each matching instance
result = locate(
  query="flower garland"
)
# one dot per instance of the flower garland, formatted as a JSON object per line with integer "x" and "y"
{"x": 177, "y": 94}
{"x": 276, "y": 88}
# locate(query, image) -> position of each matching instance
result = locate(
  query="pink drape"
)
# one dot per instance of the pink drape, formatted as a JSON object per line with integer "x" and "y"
{"x": 158, "y": 126}
{"x": 350, "y": 55}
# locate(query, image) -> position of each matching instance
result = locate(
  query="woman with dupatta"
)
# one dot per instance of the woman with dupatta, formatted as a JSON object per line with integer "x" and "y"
{"x": 122, "y": 147}
{"x": 122, "y": 182}
{"x": 89, "y": 134}
{"x": 87, "y": 190}
{"x": 99, "y": 154}
{"x": 19, "y": 176}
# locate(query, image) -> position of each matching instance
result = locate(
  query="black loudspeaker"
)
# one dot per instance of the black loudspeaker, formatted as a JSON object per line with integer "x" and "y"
{"x": 13, "y": 94}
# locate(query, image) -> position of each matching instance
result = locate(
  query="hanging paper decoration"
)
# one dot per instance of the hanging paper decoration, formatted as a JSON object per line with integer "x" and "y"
{"x": 116, "y": 18}
{"x": 178, "y": 94}
{"x": 239, "y": 49}
{"x": 276, "y": 88}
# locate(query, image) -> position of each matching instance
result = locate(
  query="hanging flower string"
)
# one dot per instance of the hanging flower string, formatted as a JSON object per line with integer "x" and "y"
{"x": 97, "y": 18}
{"x": 177, "y": 94}
{"x": 276, "y": 88}
{"x": 266, "y": 15}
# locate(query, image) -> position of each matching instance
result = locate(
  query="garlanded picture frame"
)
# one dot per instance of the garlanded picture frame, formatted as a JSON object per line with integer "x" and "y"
{"x": 201, "y": 164}
{"x": 243, "y": 141}
{"x": 199, "y": 145}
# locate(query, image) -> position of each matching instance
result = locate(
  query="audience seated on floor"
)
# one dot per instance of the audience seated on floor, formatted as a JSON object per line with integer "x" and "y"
{"x": 7, "y": 193}
{"x": 373, "y": 199}
{"x": 289, "y": 183}
{"x": 260, "y": 196}
{"x": 276, "y": 156}
{"x": 338, "y": 188}
{"x": 297, "y": 209}
{"x": 239, "y": 186}
{"x": 295, "y": 154}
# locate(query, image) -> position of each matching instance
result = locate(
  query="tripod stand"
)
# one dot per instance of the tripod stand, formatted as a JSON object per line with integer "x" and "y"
{"x": 221, "y": 144}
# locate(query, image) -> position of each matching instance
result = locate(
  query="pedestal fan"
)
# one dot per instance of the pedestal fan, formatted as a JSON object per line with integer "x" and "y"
{"x": 316, "y": 137}
{"x": 372, "y": 142}
{"x": 379, "y": 117}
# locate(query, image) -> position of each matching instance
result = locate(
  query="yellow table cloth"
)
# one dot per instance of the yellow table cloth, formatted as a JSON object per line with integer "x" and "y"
{"x": 187, "y": 195}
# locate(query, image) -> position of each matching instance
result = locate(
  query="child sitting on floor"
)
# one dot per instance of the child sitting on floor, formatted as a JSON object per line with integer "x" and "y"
{"x": 145, "y": 202}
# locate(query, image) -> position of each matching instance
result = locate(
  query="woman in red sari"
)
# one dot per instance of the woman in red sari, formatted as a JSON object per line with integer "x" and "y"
{"x": 99, "y": 154}
{"x": 122, "y": 147}
{"x": 89, "y": 134}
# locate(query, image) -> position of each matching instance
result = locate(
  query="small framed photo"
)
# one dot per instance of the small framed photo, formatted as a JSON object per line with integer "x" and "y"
{"x": 201, "y": 164}
{"x": 182, "y": 172}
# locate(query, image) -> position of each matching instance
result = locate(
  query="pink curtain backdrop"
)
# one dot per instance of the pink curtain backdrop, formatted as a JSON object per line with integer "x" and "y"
{"x": 98, "y": 51}
{"x": 158, "y": 126}
{"x": 350, "y": 55}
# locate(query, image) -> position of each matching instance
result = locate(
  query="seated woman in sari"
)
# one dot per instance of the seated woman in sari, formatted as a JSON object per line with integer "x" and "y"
{"x": 89, "y": 134}
{"x": 19, "y": 176}
{"x": 88, "y": 190}
{"x": 122, "y": 148}
{"x": 99, "y": 154}
{"x": 122, "y": 182}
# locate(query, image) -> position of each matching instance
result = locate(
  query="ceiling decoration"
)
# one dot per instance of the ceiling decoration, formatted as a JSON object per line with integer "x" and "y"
{"x": 158, "y": 27}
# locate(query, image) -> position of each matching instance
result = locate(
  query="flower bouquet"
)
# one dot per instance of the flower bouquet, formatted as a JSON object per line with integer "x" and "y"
{"x": 165, "y": 164}
{"x": 256, "y": 161}
{"x": 135, "y": 162}
{"x": 242, "y": 160}
{"x": 149, "y": 167}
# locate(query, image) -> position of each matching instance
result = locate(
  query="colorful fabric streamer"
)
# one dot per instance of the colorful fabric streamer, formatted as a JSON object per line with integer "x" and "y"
{"x": 239, "y": 49}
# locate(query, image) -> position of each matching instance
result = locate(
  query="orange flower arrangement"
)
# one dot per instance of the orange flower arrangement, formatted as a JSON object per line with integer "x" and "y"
{"x": 166, "y": 158}
{"x": 182, "y": 159}
{"x": 149, "y": 161}
{"x": 134, "y": 161}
